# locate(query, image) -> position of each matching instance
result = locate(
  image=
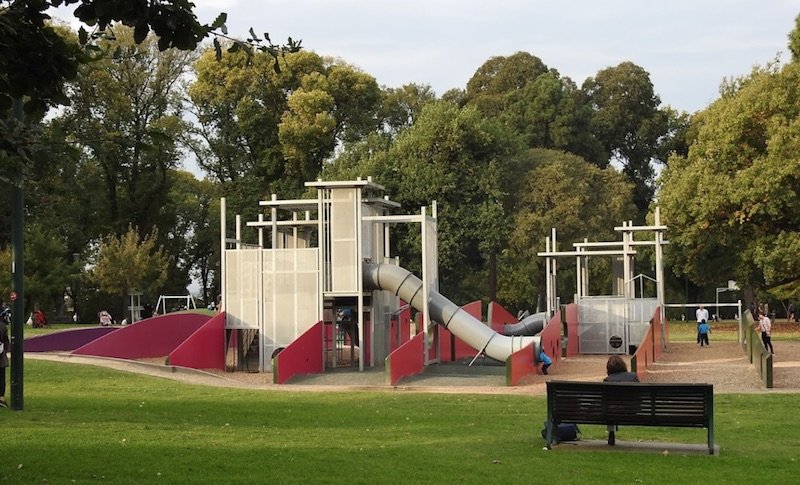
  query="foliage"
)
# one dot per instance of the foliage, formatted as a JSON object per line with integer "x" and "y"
{"x": 125, "y": 118}
{"x": 464, "y": 162}
{"x": 130, "y": 263}
{"x": 545, "y": 109}
{"x": 191, "y": 234}
{"x": 626, "y": 119}
{"x": 262, "y": 132}
{"x": 154, "y": 429}
{"x": 48, "y": 269}
{"x": 732, "y": 204}
{"x": 563, "y": 191}
{"x": 36, "y": 62}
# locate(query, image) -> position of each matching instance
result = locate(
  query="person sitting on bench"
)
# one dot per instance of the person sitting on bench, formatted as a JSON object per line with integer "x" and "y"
{"x": 617, "y": 371}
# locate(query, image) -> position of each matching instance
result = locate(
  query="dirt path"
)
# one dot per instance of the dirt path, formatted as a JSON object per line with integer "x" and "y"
{"x": 723, "y": 364}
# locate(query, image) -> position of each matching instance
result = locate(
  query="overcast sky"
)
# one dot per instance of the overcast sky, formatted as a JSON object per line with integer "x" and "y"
{"x": 688, "y": 47}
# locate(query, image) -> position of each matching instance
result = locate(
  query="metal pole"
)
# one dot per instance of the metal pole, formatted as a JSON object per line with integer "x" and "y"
{"x": 17, "y": 283}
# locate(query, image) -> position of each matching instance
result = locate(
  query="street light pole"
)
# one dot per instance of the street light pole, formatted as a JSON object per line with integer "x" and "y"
{"x": 17, "y": 270}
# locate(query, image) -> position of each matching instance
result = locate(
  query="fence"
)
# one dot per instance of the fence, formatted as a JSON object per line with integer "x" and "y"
{"x": 760, "y": 357}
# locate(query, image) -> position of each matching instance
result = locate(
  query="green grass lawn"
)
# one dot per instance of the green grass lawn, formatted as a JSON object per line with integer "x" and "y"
{"x": 84, "y": 424}
{"x": 727, "y": 331}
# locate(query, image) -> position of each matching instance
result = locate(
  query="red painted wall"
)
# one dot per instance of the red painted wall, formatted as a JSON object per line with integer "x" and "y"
{"x": 401, "y": 323}
{"x": 572, "y": 330}
{"x": 406, "y": 361}
{"x": 551, "y": 338}
{"x": 520, "y": 364}
{"x": 499, "y": 316}
{"x": 204, "y": 349}
{"x": 303, "y": 356}
{"x": 643, "y": 357}
{"x": 153, "y": 337}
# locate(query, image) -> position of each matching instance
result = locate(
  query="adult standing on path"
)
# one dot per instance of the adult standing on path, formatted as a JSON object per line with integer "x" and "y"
{"x": 702, "y": 316}
{"x": 765, "y": 327}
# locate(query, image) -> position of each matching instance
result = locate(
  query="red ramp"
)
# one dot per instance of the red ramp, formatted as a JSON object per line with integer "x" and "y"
{"x": 153, "y": 337}
{"x": 204, "y": 349}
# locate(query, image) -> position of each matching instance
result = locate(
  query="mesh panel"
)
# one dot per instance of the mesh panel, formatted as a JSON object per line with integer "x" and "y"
{"x": 291, "y": 294}
{"x": 602, "y": 326}
{"x": 343, "y": 240}
{"x": 241, "y": 288}
{"x": 431, "y": 248}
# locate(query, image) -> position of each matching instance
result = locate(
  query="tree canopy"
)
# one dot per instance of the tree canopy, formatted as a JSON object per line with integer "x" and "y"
{"x": 732, "y": 203}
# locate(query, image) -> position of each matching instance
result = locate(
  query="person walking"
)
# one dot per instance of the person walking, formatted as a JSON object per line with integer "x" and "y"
{"x": 765, "y": 327}
{"x": 701, "y": 315}
{"x": 790, "y": 313}
{"x": 4, "y": 348}
{"x": 704, "y": 330}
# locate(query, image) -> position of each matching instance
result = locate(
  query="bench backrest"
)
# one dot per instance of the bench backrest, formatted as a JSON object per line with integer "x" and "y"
{"x": 631, "y": 403}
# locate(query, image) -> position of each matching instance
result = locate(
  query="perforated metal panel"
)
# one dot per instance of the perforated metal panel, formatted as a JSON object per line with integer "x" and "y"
{"x": 291, "y": 295}
{"x": 432, "y": 255}
{"x": 242, "y": 282}
{"x": 602, "y": 326}
{"x": 343, "y": 240}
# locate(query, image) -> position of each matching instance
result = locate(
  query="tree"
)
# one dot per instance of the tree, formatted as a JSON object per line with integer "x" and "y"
{"x": 126, "y": 118}
{"x": 565, "y": 192}
{"x": 732, "y": 204}
{"x": 627, "y": 121}
{"x": 264, "y": 132}
{"x": 463, "y": 161}
{"x": 129, "y": 262}
{"x": 547, "y": 110}
{"x": 400, "y": 107}
{"x": 189, "y": 225}
{"x": 500, "y": 75}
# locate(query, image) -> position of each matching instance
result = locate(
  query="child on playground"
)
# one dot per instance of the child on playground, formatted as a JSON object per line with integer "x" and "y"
{"x": 545, "y": 360}
{"x": 704, "y": 329}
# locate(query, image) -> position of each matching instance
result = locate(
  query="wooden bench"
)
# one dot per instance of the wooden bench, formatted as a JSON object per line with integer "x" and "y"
{"x": 630, "y": 403}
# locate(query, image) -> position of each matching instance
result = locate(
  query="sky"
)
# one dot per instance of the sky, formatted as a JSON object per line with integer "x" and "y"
{"x": 688, "y": 47}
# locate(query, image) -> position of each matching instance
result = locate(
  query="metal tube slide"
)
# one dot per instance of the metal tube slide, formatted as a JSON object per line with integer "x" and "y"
{"x": 530, "y": 325}
{"x": 463, "y": 325}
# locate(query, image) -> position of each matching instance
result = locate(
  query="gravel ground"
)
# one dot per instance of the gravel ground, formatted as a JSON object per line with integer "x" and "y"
{"x": 723, "y": 364}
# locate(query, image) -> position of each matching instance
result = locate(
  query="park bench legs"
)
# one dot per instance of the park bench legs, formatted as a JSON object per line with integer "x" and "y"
{"x": 549, "y": 434}
{"x": 612, "y": 435}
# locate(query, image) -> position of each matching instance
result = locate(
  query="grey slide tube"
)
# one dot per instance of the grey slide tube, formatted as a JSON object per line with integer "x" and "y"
{"x": 463, "y": 325}
{"x": 530, "y": 325}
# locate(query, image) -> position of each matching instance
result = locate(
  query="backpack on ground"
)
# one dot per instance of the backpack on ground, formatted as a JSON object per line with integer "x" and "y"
{"x": 564, "y": 432}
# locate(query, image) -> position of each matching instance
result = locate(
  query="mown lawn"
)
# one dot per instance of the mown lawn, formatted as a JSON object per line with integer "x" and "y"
{"x": 727, "y": 330}
{"x": 85, "y": 424}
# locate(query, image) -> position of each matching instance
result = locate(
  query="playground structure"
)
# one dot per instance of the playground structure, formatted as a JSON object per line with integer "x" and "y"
{"x": 615, "y": 323}
{"x": 320, "y": 290}
{"x": 323, "y": 267}
{"x": 172, "y": 303}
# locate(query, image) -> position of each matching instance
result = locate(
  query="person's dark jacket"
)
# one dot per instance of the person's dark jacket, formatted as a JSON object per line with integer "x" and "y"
{"x": 622, "y": 377}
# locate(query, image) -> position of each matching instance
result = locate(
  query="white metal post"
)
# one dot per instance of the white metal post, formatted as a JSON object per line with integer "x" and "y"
{"x": 360, "y": 288}
{"x": 547, "y": 275}
{"x": 426, "y": 318}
